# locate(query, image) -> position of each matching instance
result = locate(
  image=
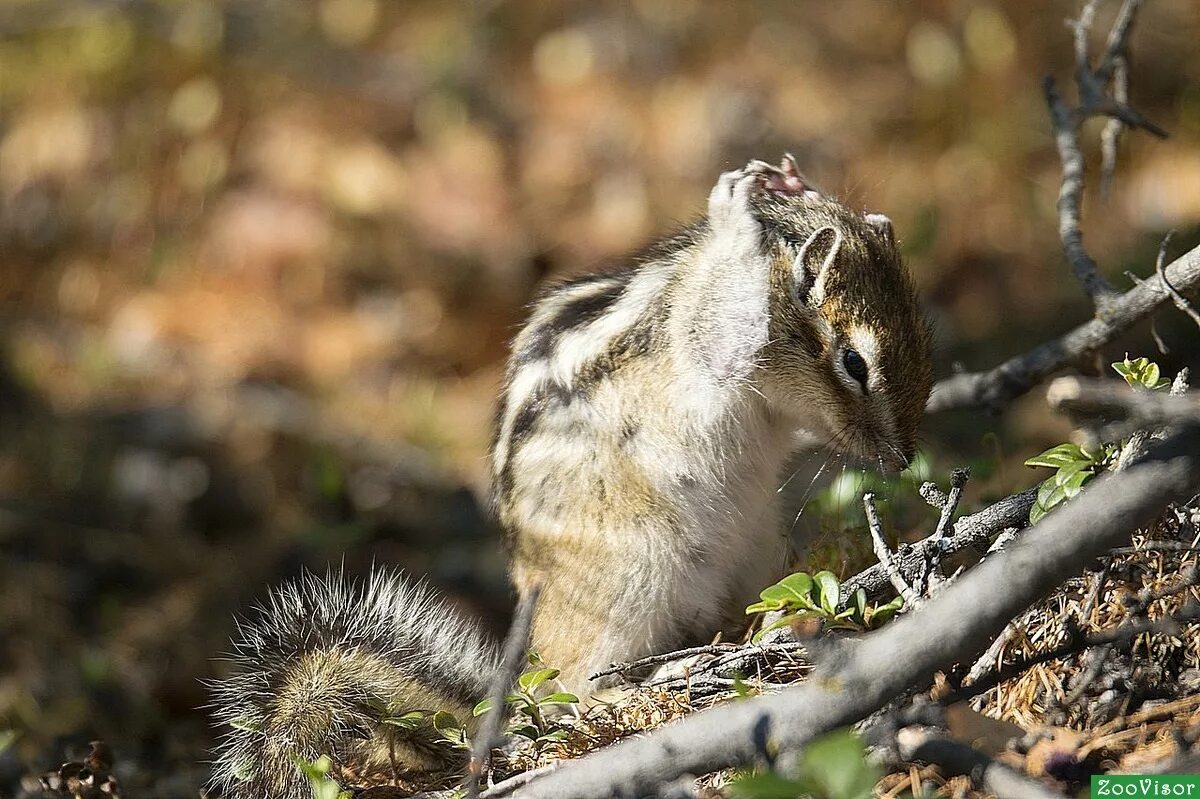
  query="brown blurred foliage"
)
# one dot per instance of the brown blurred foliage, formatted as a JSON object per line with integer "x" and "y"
{"x": 259, "y": 262}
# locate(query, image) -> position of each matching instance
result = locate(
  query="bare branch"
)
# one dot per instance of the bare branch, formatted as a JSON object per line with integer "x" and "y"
{"x": 958, "y": 479}
{"x": 1070, "y": 198}
{"x": 861, "y": 677}
{"x": 1117, "y": 47}
{"x": 995, "y": 387}
{"x": 1180, "y": 301}
{"x": 1115, "y": 398}
{"x": 506, "y": 787}
{"x": 912, "y": 598}
{"x": 665, "y": 657}
{"x": 1110, "y": 137}
{"x": 975, "y": 530}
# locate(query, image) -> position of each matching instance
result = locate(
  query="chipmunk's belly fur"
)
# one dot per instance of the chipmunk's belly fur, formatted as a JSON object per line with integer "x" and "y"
{"x": 643, "y": 503}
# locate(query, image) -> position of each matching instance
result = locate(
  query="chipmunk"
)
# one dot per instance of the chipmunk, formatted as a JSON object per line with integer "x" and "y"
{"x": 645, "y": 421}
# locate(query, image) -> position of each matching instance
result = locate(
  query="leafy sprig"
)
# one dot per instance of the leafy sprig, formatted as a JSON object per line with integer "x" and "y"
{"x": 801, "y": 596}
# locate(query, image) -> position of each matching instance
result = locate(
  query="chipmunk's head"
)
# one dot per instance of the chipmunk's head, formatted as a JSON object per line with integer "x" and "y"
{"x": 849, "y": 349}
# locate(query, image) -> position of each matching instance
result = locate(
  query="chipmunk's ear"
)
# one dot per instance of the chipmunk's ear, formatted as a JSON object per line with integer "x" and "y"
{"x": 788, "y": 166}
{"x": 813, "y": 261}
{"x": 882, "y": 226}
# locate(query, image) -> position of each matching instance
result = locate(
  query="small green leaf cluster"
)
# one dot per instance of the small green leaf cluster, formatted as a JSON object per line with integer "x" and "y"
{"x": 1141, "y": 373}
{"x": 447, "y": 726}
{"x": 324, "y": 786}
{"x": 1074, "y": 466}
{"x": 531, "y": 708}
{"x": 802, "y": 596}
{"x": 832, "y": 767}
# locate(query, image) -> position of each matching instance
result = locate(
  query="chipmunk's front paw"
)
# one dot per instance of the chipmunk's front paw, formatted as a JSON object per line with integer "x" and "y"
{"x": 729, "y": 211}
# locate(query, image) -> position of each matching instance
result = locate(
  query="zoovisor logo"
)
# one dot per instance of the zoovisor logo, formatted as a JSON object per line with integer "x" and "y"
{"x": 1136, "y": 785}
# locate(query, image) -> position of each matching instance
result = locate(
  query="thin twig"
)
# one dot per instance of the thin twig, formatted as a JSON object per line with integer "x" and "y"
{"x": 734, "y": 660}
{"x": 933, "y": 496}
{"x": 506, "y": 787}
{"x": 912, "y": 599}
{"x": 665, "y": 657}
{"x": 1110, "y": 137}
{"x": 516, "y": 648}
{"x": 1070, "y": 199}
{"x": 1119, "y": 635}
{"x": 941, "y": 536}
{"x": 1180, "y": 301}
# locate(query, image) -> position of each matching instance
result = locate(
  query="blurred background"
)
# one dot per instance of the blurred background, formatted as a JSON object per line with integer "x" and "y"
{"x": 260, "y": 261}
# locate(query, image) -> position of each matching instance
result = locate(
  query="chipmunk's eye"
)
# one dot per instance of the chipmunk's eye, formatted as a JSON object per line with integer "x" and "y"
{"x": 856, "y": 367}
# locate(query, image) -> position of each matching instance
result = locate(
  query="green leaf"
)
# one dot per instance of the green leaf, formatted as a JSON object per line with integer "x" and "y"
{"x": 410, "y": 721}
{"x": 1141, "y": 373}
{"x": 526, "y": 731}
{"x": 323, "y": 786}
{"x": 7, "y": 738}
{"x": 792, "y": 591}
{"x": 1067, "y": 473}
{"x": 561, "y": 698}
{"x": 531, "y": 680}
{"x": 451, "y": 730}
{"x": 1049, "y": 494}
{"x": 553, "y": 736}
{"x": 482, "y": 707}
{"x": 1057, "y": 457}
{"x": 739, "y": 686}
{"x": 783, "y": 621}
{"x": 1074, "y": 484}
{"x": 881, "y": 614}
{"x": 836, "y": 763}
{"x": 828, "y": 590}
{"x": 1150, "y": 375}
{"x": 766, "y": 785}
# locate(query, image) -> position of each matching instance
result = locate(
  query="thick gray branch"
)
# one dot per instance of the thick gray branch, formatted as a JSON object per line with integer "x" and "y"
{"x": 861, "y": 676}
{"x": 1019, "y": 374}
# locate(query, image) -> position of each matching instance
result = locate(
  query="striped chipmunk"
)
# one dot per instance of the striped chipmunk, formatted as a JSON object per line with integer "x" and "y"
{"x": 640, "y": 439}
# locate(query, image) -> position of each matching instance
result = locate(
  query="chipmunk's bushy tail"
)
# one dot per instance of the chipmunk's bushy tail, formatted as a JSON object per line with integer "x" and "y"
{"x": 321, "y": 667}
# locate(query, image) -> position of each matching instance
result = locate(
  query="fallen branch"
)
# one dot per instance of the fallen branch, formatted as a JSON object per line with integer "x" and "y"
{"x": 975, "y": 530}
{"x": 860, "y": 677}
{"x": 996, "y": 387}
